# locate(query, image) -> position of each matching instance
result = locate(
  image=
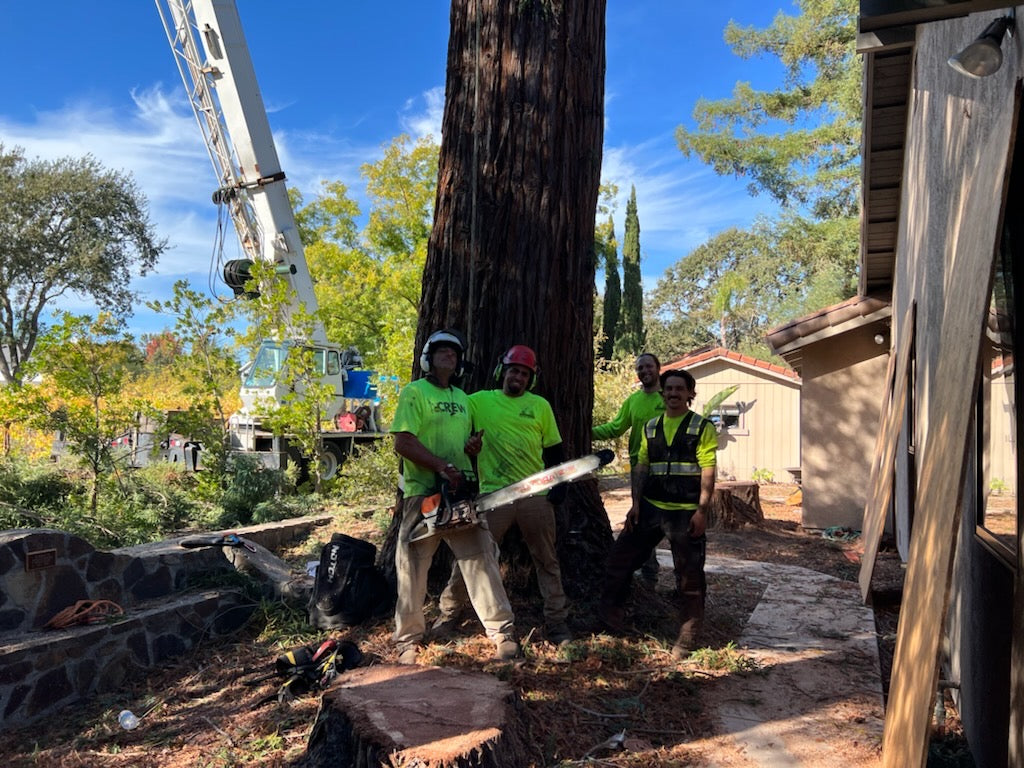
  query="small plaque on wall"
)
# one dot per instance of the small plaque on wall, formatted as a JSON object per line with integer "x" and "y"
{"x": 41, "y": 558}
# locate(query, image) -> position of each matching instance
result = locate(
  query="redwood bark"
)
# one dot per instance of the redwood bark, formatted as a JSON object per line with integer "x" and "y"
{"x": 511, "y": 255}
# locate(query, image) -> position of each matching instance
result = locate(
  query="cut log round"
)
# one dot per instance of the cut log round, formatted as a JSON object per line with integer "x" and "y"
{"x": 431, "y": 717}
{"x": 734, "y": 504}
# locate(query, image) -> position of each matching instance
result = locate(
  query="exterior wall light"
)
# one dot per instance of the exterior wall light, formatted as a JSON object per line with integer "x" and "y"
{"x": 984, "y": 56}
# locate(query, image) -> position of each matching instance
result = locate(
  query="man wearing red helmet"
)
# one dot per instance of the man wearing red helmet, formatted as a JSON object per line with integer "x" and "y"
{"x": 432, "y": 429}
{"x": 519, "y": 438}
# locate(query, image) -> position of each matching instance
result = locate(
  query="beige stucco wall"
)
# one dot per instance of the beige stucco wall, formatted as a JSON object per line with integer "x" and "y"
{"x": 768, "y": 436}
{"x": 844, "y": 380}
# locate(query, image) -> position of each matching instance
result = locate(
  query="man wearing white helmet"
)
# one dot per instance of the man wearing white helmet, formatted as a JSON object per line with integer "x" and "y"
{"x": 432, "y": 429}
{"x": 519, "y": 438}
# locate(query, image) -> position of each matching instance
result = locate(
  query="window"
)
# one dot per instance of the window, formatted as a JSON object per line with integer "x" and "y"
{"x": 729, "y": 418}
{"x": 998, "y": 461}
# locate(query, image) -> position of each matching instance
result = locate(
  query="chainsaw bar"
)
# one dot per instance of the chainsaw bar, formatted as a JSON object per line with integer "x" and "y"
{"x": 544, "y": 480}
{"x": 536, "y": 483}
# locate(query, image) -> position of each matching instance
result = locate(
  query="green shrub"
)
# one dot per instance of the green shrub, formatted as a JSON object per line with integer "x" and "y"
{"x": 251, "y": 491}
{"x": 32, "y": 494}
{"x": 762, "y": 476}
{"x": 369, "y": 475}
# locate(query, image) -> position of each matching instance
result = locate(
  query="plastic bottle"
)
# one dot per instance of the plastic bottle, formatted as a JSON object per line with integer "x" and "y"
{"x": 128, "y": 719}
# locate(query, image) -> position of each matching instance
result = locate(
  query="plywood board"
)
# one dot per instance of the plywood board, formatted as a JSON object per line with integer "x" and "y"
{"x": 882, "y": 471}
{"x": 973, "y": 192}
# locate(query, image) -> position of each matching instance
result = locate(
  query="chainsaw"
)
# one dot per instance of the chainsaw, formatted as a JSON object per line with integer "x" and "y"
{"x": 459, "y": 506}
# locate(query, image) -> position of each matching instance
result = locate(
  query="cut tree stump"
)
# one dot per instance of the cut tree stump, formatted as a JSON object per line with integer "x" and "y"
{"x": 735, "y": 503}
{"x": 430, "y": 717}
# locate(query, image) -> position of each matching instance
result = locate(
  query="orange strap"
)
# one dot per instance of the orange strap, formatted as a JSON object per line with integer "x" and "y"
{"x": 85, "y": 612}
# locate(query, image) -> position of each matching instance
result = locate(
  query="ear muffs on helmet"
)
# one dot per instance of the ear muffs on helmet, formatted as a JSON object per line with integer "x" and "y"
{"x": 446, "y": 336}
{"x": 518, "y": 355}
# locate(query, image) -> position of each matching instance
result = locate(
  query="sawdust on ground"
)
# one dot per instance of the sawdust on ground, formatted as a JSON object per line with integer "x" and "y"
{"x": 576, "y": 701}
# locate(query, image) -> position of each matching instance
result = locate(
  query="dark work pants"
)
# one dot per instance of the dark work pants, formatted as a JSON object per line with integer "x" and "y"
{"x": 633, "y": 547}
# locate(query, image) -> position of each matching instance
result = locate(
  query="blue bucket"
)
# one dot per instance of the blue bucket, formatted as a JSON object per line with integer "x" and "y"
{"x": 359, "y": 385}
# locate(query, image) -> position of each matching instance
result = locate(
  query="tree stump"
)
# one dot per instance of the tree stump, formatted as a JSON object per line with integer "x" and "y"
{"x": 735, "y": 503}
{"x": 430, "y": 717}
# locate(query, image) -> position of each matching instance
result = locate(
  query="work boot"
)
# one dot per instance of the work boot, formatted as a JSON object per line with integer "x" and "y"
{"x": 505, "y": 648}
{"x": 649, "y": 570}
{"x": 558, "y": 634}
{"x": 613, "y": 617}
{"x": 689, "y": 630}
{"x": 445, "y": 627}
{"x": 408, "y": 654}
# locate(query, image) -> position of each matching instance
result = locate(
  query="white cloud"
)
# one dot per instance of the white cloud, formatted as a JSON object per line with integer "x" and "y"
{"x": 423, "y": 121}
{"x": 680, "y": 201}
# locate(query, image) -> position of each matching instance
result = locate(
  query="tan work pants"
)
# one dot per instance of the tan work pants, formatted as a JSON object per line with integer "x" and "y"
{"x": 536, "y": 520}
{"x": 474, "y": 551}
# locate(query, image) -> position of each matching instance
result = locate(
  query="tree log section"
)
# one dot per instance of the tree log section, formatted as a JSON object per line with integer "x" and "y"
{"x": 431, "y": 717}
{"x": 735, "y": 503}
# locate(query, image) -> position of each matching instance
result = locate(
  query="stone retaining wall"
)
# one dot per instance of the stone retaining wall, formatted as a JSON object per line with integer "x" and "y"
{"x": 44, "y": 571}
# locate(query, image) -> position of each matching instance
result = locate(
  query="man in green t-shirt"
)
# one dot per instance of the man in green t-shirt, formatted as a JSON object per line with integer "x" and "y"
{"x": 432, "y": 429}
{"x": 672, "y": 487}
{"x": 637, "y": 409}
{"x": 520, "y": 438}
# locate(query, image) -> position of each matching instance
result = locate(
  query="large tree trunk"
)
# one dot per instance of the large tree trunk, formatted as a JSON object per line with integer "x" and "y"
{"x": 511, "y": 255}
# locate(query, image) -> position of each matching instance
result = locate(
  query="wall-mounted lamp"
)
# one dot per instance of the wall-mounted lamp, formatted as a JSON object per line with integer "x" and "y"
{"x": 984, "y": 56}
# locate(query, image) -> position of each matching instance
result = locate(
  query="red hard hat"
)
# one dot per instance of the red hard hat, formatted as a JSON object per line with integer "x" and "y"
{"x": 521, "y": 355}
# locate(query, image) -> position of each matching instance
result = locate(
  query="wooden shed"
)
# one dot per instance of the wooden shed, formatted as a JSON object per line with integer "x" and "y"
{"x": 759, "y": 424}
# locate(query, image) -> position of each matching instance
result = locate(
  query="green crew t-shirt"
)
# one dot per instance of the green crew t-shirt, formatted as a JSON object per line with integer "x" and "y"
{"x": 516, "y": 432}
{"x": 637, "y": 409}
{"x": 439, "y": 418}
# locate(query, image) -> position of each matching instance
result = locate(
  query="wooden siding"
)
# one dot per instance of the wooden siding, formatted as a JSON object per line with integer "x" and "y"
{"x": 768, "y": 437}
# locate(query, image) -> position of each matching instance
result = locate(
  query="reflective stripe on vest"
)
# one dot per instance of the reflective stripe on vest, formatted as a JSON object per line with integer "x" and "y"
{"x": 678, "y": 480}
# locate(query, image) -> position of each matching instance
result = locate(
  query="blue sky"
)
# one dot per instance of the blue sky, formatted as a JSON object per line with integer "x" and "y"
{"x": 340, "y": 80}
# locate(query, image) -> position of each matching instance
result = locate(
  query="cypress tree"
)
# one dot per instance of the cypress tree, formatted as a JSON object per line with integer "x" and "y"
{"x": 612, "y": 291}
{"x": 631, "y": 339}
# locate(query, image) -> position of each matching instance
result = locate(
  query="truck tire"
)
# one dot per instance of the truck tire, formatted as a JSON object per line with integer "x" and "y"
{"x": 330, "y": 461}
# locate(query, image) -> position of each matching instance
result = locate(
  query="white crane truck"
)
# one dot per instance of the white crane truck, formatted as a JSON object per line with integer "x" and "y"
{"x": 209, "y": 47}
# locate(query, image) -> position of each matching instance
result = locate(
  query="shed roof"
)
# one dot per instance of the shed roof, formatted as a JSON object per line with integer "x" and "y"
{"x": 789, "y": 340}
{"x": 705, "y": 355}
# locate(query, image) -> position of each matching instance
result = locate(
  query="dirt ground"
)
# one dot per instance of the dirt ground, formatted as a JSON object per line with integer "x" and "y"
{"x": 576, "y": 700}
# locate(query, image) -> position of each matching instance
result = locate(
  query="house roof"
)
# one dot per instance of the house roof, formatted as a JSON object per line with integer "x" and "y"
{"x": 886, "y": 36}
{"x": 789, "y": 340}
{"x": 708, "y": 354}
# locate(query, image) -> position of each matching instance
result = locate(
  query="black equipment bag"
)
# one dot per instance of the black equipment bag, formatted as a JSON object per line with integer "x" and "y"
{"x": 349, "y": 588}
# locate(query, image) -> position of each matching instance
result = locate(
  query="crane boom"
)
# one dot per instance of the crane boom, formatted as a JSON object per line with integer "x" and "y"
{"x": 213, "y": 59}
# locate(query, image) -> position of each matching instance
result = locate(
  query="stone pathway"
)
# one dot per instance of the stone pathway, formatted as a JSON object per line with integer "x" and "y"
{"x": 817, "y": 701}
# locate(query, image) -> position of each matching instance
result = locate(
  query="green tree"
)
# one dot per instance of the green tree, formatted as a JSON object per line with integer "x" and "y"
{"x": 799, "y": 143}
{"x": 206, "y": 372}
{"x": 368, "y": 283}
{"x": 89, "y": 362}
{"x": 744, "y": 281}
{"x": 607, "y": 245}
{"x": 67, "y": 227}
{"x": 631, "y": 340}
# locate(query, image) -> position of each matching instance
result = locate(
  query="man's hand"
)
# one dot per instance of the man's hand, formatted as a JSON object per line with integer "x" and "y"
{"x": 631, "y": 517}
{"x": 557, "y": 494}
{"x": 698, "y": 524}
{"x": 475, "y": 443}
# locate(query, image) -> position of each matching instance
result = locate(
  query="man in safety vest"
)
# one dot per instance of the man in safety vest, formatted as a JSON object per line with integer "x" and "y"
{"x": 519, "y": 438}
{"x": 672, "y": 487}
